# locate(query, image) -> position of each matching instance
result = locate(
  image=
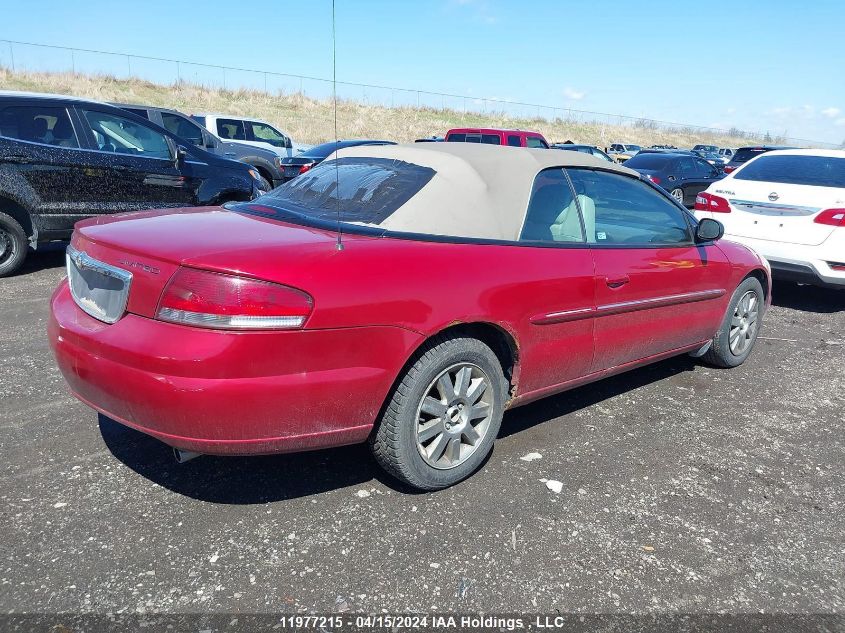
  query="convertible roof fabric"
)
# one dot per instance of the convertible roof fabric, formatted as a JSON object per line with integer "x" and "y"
{"x": 478, "y": 191}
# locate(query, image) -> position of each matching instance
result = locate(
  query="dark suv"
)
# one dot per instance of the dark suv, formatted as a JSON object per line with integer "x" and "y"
{"x": 266, "y": 162}
{"x": 63, "y": 159}
{"x": 745, "y": 154}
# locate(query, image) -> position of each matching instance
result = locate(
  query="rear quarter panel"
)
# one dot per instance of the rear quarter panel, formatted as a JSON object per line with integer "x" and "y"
{"x": 428, "y": 286}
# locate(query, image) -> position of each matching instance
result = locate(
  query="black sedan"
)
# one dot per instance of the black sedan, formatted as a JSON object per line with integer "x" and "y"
{"x": 292, "y": 166}
{"x": 584, "y": 149}
{"x": 681, "y": 174}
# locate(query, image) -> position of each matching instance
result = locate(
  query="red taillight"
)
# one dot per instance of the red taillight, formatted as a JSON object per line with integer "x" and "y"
{"x": 708, "y": 202}
{"x": 230, "y": 302}
{"x": 833, "y": 217}
{"x": 729, "y": 169}
{"x": 653, "y": 179}
{"x": 305, "y": 168}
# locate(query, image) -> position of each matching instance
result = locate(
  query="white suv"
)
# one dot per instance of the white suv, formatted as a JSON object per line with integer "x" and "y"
{"x": 789, "y": 206}
{"x": 249, "y": 132}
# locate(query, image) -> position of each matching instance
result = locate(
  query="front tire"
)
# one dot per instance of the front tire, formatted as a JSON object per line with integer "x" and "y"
{"x": 13, "y": 245}
{"x": 444, "y": 415}
{"x": 736, "y": 336}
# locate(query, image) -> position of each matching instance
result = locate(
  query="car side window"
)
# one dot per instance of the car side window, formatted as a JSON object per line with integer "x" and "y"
{"x": 266, "y": 134}
{"x": 513, "y": 140}
{"x": 552, "y": 214}
{"x": 620, "y": 209}
{"x": 113, "y": 133}
{"x": 491, "y": 139}
{"x": 533, "y": 141}
{"x": 38, "y": 124}
{"x": 231, "y": 129}
{"x": 705, "y": 169}
{"x": 686, "y": 167}
{"x": 182, "y": 127}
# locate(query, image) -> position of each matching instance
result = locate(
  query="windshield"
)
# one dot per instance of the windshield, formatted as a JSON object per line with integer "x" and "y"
{"x": 816, "y": 171}
{"x": 353, "y": 189}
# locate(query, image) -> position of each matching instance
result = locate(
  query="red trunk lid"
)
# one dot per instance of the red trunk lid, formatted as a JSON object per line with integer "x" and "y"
{"x": 153, "y": 244}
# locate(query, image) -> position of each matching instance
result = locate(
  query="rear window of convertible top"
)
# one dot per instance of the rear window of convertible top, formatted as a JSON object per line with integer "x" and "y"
{"x": 351, "y": 189}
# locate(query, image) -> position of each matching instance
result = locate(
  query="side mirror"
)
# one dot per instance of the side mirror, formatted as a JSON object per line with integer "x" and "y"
{"x": 181, "y": 155}
{"x": 288, "y": 143}
{"x": 709, "y": 230}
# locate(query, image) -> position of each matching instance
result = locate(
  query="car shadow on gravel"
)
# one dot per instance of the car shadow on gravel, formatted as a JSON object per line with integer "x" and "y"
{"x": 265, "y": 479}
{"x": 47, "y": 256}
{"x": 786, "y": 294}
{"x": 541, "y": 411}
{"x": 244, "y": 480}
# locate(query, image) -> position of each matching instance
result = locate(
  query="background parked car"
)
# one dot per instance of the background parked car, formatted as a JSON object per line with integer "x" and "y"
{"x": 711, "y": 157}
{"x": 789, "y": 206}
{"x": 63, "y": 159}
{"x": 295, "y": 165}
{"x": 682, "y": 175}
{"x": 250, "y": 131}
{"x": 726, "y": 154}
{"x": 430, "y": 139}
{"x": 712, "y": 149}
{"x": 495, "y": 136}
{"x": 744, "y": 154}
{"x": 266, "y": 162}
{"x": 621, "y": 152}
{"x": 584, "y": 149}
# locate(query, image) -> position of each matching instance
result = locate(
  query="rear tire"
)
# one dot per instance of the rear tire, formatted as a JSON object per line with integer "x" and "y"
{"x": 13, "y": 245}
{"x": 736, "y": 336}
{"x": 678, "y": 194}
{"x": 443, "y": 416}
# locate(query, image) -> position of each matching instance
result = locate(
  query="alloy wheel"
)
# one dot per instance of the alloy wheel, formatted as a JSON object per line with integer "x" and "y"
{"x": 454, "y": 415}
{"x": 678, "y": 194}
{"x": 744, "y": 323}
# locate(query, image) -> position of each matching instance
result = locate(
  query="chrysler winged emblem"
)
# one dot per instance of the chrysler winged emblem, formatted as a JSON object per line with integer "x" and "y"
{"x": 773, "y": 196}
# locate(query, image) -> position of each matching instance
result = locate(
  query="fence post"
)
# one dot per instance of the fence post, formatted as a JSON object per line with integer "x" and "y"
{"x": 72, "y": 63}
{"x": 224, "y": 78}
{"x": 129, "y": 66}
{"x": 178, "y": 73}
{"x": 265, "y": 83}
{"x": 12, "y": 55}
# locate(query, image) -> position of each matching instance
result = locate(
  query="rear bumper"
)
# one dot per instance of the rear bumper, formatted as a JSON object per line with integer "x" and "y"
{"x": 801, "y": 263}
{"x": 229, "y": 393}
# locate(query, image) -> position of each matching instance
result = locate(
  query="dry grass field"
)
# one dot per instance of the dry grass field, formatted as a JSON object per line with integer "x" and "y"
{"x": 310, "y": 120}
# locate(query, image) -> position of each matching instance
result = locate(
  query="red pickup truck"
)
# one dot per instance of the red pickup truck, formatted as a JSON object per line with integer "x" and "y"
{"x": 495, "y": 136}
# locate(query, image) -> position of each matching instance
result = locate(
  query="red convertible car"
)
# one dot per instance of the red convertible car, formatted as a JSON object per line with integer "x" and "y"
{"x": 405, "y": 295}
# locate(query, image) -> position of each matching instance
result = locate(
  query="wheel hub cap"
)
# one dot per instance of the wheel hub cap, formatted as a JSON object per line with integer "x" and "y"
{"x": 454, "y": 415}
{"x": 744, "y": 323}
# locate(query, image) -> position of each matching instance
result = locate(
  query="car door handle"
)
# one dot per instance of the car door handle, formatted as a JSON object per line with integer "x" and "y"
{"x": 22, "y": 160}
{"x": 617, "y": 282}
{"x": 229, "y": 154}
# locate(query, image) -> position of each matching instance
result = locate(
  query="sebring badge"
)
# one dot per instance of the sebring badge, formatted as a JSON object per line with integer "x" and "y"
{"x": 140, "y": 265}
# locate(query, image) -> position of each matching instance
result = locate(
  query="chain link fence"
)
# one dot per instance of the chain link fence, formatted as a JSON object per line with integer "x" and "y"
{"x": 33, "y": 57}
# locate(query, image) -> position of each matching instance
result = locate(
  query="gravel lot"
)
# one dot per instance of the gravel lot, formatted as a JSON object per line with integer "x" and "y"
{"x": 684, "y": 488}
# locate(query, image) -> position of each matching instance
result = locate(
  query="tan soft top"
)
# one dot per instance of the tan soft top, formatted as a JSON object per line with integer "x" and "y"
{"x": 478, "y": 190}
